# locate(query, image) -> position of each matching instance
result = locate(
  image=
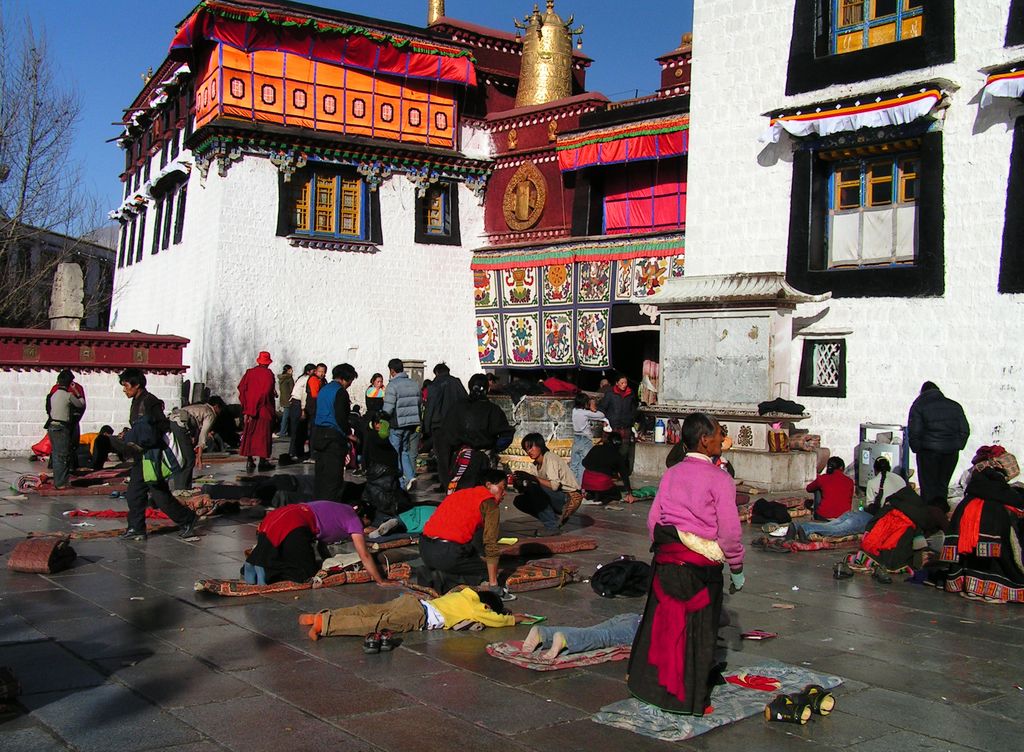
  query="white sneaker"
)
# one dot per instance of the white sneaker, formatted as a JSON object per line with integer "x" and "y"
{"x": 385, "y": 527}
{"x": 410, "y": 485}
{"x": 592, "y": 503}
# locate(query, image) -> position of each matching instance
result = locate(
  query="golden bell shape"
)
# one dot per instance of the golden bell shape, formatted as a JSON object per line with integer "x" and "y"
{"x": 545, "y": 74}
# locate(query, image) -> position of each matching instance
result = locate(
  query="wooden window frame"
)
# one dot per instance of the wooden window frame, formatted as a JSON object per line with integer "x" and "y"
{"x": 343, "y": 183}
{"x": 870, "y": 20}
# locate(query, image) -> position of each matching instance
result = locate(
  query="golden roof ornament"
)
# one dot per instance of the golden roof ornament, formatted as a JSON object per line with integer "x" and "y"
{"x": 435, "y": 10}
{"x": 545, "y": 74}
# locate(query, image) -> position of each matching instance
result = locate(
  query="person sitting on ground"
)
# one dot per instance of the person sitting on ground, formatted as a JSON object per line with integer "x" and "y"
{"x": 288, "y": 538}
{"x": 548, "y": 490}
{"x": 985, "y": 538}
{"x": 459, "y": 545}
{"x": 602, "y": 465}
{"x": 881, "y": 486}
{"x": 695, "y": 530}
{"x": 888, "y": 542}
{"x": 833, "y": 491}
{"x": 475, "y": 429}
{"x": 459, "y": 609}
{"x": 613, "y": 632}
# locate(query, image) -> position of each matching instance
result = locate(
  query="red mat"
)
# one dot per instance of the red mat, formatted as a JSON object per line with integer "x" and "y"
{"x": 555, "y": 544}
{"x": 512, "y": 652}
{"x": 398, "y": 572}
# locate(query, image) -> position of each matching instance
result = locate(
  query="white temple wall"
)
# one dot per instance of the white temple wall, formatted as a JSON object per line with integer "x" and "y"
{"x": 407, "y": 300}
{"x": 739, "y": 211}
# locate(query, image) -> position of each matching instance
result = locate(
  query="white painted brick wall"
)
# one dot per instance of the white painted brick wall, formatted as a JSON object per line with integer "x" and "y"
{"x": 23, "y": 406}
{"x": 234, "y": 288}
{"x": 738, "y": 220}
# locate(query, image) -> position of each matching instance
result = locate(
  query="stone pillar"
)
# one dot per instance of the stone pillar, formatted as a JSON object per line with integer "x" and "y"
{"x": 66, "y": 307}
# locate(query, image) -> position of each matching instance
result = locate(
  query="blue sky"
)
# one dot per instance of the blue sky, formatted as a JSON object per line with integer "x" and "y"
{"x": 100, "y": 47}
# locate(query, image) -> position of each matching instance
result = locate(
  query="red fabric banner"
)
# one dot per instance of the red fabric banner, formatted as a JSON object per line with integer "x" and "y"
{"x": 351, "y": 50}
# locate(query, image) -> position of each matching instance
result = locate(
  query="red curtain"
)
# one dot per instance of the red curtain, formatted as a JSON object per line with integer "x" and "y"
{"x": 645, "y": 196}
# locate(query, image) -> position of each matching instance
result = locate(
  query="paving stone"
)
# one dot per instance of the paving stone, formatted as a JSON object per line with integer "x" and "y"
{"x": 47, "y": 667}
{"x": 102, "y": 637}
{"x": 173, "y": 680}
{"x": 422, "y": 728}
{"x": 30, "y": 740}
{"x": 108, "y": 719}
{"x": 265, "y": 724}
{"x": 581, "y": 689}
{"x": 587, "y": 736}
{"x": 905, "y": 741}
{"x": 229, "y": 647}
{"x": 15, "y": 629}
{"x": 500, "y": 708}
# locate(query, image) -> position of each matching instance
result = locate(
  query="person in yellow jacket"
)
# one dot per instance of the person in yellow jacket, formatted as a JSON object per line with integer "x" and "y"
{"x": 458, "y": 609}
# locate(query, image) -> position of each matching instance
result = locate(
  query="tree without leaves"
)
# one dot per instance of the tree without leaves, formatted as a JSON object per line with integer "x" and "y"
{"x": 40, "y": 189}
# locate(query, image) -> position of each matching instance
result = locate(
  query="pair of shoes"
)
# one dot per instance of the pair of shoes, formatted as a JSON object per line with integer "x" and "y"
{"x": 188, "y": 529}
{"x": 880, "y": 576}
{"x": 250, "y": 466}
{"x": 265, "y": 466}
{"x": 379, "y": 642}
{"x": 385, "y": 527}
{"x": 798, "y": 708}
{"x": 133, "y": 534}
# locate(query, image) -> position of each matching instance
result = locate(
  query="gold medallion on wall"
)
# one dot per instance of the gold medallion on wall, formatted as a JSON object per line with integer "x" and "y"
{"x": 513, "y": 139}
{"x": 524, "y": 198}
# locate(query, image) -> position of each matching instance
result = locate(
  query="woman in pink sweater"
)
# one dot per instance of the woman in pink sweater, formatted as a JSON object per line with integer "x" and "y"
{"x": 695, "y": 531}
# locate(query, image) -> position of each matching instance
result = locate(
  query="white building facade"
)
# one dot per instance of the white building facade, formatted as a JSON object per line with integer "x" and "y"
{"x": 882, "y": 181}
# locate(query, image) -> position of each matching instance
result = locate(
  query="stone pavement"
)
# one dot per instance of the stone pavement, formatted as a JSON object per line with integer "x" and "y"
{"x": 119, "y": 653}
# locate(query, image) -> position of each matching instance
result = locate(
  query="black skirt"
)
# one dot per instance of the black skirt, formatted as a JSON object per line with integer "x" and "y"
{"x": 293, "y": 561}
{"x": 681, "y": 582}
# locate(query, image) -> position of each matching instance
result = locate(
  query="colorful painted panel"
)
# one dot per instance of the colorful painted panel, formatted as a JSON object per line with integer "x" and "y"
{"x": 519, "y": 287}
{"x": 592, "y": 339}
{"x": 488, "y": 340}
{"x": 649, "y": 275}
{"x": 558, "y": 339}
{"x": 521, "y": 339}
{"x": 284, "y": 88}
{"x": 485, "y": 290}
{"x": 678, "y": 266}
{"x": 595, "y": 284}
{"x": 557, "y": 284}
{"x": 623, "y": 280}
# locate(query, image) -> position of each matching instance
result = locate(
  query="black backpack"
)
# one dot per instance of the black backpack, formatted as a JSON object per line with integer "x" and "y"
{"x": 624, "y": 576}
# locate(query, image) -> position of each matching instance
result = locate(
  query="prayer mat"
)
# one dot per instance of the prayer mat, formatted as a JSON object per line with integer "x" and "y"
{"x": 393, "y": 541}
{"x": 860, "y": 561}
{"x": 512, "y": 652}
{"x": 740, "y": 697}
{"x": 218, "y": 459}
{"x": 154, "y": 527}
{"x": 817, "y": 543}
{"x": 543, "y": 574}
{"x": 320, "y": 580}
{"x": 555, "y": 544}
{"x": 42, "y": 483}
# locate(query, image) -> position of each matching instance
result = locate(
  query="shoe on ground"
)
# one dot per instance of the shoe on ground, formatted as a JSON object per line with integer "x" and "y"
{"x": 881, "y": 576}
{"x": 592, "y": 503}
{"x": 189, "y": 528}
{"x": 250, "y": 466}
{"x": 371, "y": 643}
{"x": 384, "y": 528}
{"x": 133, "y": 534}
{"x": 265, "y": 466}
{"x": 770, "y": 527}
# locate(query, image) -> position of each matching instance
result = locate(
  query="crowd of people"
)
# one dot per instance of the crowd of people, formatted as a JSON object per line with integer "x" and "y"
{"x": 693, "y": 522}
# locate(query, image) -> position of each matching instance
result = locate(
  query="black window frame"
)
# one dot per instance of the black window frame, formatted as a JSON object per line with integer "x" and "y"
{"x": 812, "y": 66}
{"x": 1015, "y": 24}
{"x": 158, "y": 217}
{"x": 140, "y": 248}
{"x": 1011, "y": 258}
{"x": 809, "y": 204}
{"x": 454, "y": 234}
{"x": 129, "y": 257}
{"x": 165, "y": 231}
{"x": 805, "y": 385}
{"x": 179, "y": 214}
{"x": 122, "y": 245}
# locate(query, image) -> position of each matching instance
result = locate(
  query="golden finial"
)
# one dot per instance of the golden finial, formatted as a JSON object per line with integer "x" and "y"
{"x": 545, "y": 74}
{"x": 435, "y": 9}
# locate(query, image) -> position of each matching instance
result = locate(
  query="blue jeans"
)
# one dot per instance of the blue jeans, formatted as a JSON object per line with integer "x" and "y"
{"x": 847, "y": 524}
{"x": 618, "y": 630}
{"x": 406, "y": 442}
{"x": 543, "y": 503}
{"x": 581, "y": 444}
{"x": 283, "y": 428}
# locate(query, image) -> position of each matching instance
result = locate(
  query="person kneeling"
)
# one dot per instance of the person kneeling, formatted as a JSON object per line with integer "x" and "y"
{"x": 459, "y": 609}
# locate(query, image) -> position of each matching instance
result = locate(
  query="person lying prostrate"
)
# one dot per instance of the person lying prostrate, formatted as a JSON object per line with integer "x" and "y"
{"x": 458, "y": 609}
{"x": 602, "y": 465}
{"x": 610, "y": 633}
{"x": 287, "y": 540}
{"x": 833, "y": 491}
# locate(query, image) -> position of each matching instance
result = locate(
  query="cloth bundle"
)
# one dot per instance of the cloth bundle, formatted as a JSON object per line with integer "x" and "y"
{"x": 41, "y": 556}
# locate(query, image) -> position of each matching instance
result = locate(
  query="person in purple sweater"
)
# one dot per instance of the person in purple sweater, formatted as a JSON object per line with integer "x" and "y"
{"x": 695, "y": 531}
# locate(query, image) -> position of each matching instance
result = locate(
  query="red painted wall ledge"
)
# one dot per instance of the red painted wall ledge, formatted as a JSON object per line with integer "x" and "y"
{"x": 47, "y": 349}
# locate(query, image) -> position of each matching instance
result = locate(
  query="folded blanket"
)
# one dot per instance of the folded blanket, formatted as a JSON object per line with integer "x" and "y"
{"x": 543, "y": 574}
{"x": 512, "y": 652}
{"x": 555, "y": 544}
{"x": 387, "y": 542}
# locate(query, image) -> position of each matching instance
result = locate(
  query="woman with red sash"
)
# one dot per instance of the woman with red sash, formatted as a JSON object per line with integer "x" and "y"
{"x": 695, "y": 531}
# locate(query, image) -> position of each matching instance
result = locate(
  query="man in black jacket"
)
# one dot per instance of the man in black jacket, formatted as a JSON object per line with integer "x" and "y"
{"x": 937, "y": 431}
{"x": 444, "y": 393}
{"x": 149, "y": 426}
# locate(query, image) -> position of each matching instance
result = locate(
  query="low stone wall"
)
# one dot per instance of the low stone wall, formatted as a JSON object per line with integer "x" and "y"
{"x": 768, "y": 471}
{"x": 23, "y": 403}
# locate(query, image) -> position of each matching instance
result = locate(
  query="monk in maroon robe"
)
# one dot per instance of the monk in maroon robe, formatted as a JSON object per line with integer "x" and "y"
{"x": 256, "y": 393}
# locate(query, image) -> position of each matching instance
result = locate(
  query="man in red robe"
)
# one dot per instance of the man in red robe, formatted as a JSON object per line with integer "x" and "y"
{"x": 256, "y": 393}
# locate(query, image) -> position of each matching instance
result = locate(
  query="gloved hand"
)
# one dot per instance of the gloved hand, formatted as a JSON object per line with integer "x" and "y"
{"x": 738, "y": 580}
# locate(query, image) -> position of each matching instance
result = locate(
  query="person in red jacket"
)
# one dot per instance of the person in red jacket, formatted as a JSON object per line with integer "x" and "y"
{"x": 256, "y": 393}
{"x": 459, "y": 545}
{"x": 833, "y": 491}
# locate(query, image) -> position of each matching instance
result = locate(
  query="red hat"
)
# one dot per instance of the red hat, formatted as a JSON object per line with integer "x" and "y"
{"x": 263, "y": 359}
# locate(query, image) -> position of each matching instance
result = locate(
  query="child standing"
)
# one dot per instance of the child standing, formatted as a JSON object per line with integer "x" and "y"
{"x": 584, "y": 410}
